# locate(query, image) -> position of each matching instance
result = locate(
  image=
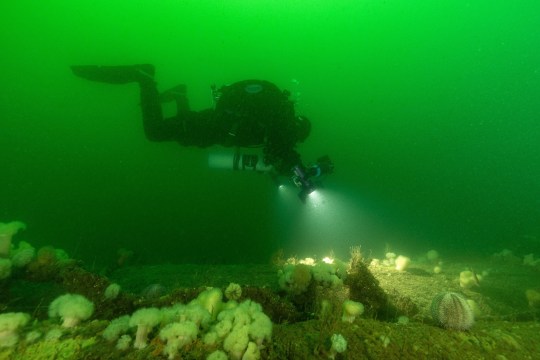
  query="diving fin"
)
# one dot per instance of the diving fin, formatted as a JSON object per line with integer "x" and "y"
{"x": 115, "y": 74}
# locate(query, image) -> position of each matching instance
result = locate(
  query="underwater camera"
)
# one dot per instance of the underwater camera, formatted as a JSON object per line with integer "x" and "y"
{"x": 303, "y": 177}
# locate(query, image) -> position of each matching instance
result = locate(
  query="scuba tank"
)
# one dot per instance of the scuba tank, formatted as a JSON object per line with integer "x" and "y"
{"x": 239, "y": 159}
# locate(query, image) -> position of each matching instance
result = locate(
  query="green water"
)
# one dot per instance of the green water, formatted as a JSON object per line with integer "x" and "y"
{"x": 429, "y": 110}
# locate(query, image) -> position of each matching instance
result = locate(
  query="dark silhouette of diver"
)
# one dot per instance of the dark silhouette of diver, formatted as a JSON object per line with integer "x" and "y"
{"x": 249, "y": 113}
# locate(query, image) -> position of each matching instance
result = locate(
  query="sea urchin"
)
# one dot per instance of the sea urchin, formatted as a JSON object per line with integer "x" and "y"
{"x": 451, "y": 311}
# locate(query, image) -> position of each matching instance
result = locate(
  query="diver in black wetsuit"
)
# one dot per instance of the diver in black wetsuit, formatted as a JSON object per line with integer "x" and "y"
{"x": 249, "y": 113}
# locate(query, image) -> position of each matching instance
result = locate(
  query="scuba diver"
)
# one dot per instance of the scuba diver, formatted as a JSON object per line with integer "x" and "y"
{"x": 246, "y": 114}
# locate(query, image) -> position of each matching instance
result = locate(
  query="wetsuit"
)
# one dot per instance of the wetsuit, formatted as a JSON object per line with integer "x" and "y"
{"x": 249, "y": 113}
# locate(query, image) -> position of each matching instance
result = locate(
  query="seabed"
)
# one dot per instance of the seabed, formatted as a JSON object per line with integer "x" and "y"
{"x": 506, "y": 327}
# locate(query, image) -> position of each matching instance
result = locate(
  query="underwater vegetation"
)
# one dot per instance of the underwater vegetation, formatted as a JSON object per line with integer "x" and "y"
{"x": 52, "y": 306}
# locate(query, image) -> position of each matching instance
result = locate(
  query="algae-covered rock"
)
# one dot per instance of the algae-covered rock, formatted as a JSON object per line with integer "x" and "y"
{"x": 53, "y": 349}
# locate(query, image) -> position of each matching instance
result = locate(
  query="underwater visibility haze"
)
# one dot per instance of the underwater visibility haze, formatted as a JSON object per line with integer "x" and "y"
{"x": 424, "y": 242}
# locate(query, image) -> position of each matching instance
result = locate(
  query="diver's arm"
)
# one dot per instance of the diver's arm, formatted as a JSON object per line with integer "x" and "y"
{"x": 283, "y": 157}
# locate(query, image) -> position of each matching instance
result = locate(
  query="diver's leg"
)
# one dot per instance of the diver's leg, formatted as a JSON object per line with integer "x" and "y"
{"x": 178, "y": 94}
{"x": 152, "y": 113}
{"x": 188, "y": 128}
{"x": 156, "y": 127}
{"x": 199, "y": 128}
